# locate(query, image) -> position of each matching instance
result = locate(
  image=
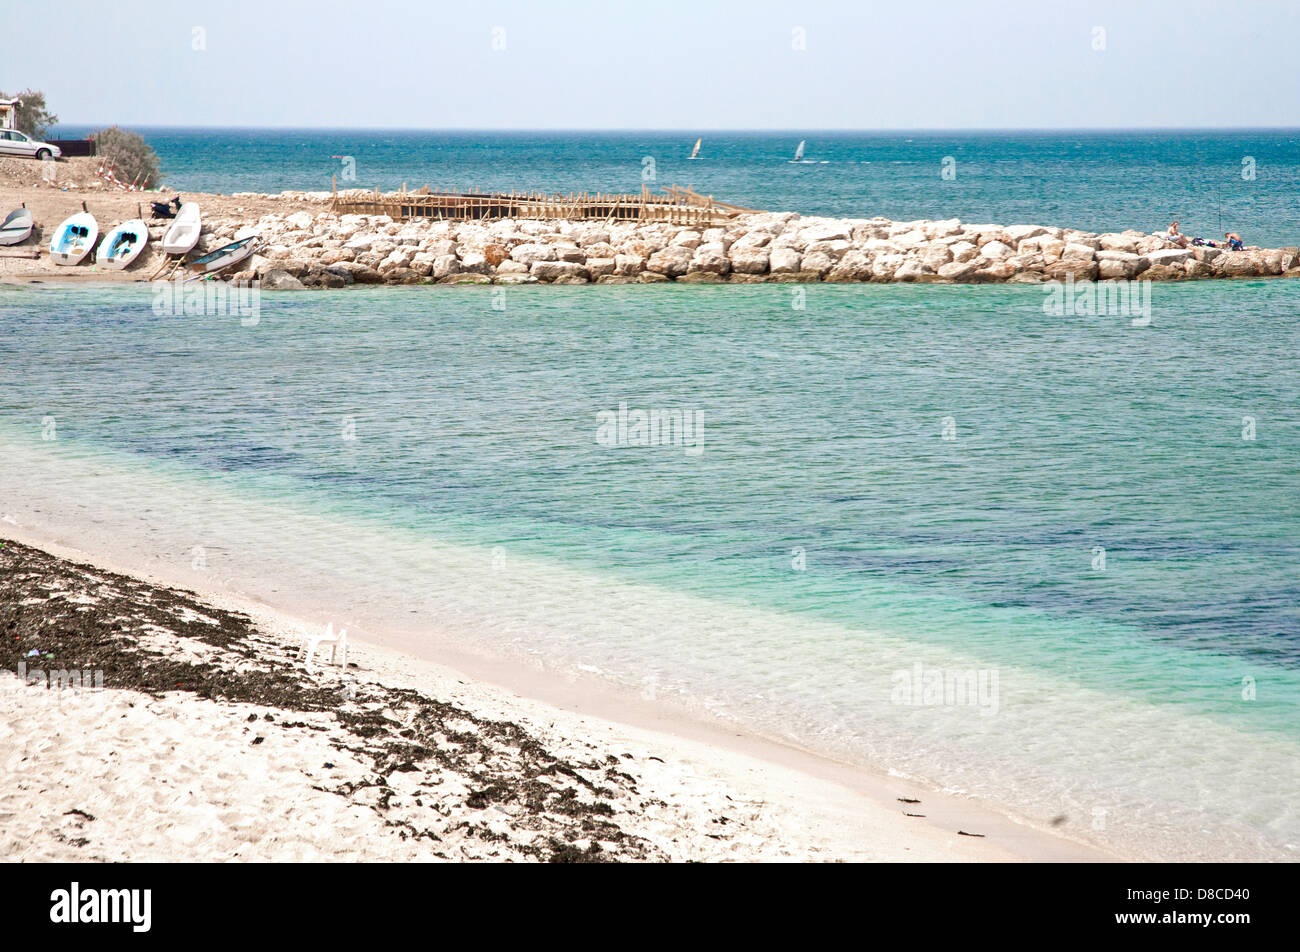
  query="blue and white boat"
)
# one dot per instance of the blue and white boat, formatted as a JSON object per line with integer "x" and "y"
{"x": 123, "y": 244}
{"x": 73, "y": 239}
{"x": 225, "y": 256}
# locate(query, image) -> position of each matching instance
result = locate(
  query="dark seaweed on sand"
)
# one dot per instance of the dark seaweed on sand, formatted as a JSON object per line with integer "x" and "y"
{"x": 79, "y": 617}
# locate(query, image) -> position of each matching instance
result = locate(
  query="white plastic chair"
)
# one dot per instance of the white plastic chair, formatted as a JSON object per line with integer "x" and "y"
{"x": 337, "y": 644}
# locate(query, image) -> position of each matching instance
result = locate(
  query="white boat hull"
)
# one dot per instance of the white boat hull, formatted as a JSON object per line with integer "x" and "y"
{"x": 183, "y": 234}
{"x": 17, "y": 227}
{"x": 123, "y": 244}
{"x": 74, "y": 239}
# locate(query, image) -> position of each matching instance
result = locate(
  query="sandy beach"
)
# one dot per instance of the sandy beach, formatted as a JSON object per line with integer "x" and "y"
{"x": 210, "y": 740}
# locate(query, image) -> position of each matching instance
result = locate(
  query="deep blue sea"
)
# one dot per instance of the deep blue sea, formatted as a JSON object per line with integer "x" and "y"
{"x": 1100, "y": 520}
{"x": 1211, "y": 182}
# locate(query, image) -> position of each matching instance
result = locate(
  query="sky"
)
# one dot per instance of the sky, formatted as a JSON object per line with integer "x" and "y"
{"x": 660, "y": 64}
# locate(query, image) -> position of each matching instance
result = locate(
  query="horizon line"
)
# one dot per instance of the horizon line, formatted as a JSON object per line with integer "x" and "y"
{"x": 695, "y": 131}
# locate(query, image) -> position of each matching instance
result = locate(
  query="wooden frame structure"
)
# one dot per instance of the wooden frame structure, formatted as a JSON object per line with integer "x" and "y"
{"x": 676, "y": 206}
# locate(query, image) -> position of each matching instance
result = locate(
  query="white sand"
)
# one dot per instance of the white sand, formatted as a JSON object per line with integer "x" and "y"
{"x": 180, "y": 778}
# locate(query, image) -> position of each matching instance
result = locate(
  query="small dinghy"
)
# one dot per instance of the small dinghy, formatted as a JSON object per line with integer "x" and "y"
{"x": 225, "y": 256}
{"x": 17, "y": 227}
{"x": 74, "y": 238}
{"x": 123, "y": 244}
{"x": 183, "y": 234}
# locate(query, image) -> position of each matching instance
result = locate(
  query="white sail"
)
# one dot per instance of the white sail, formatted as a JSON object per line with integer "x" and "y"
{"x": 695, "y": 153}
{"x": 798, "y": 153}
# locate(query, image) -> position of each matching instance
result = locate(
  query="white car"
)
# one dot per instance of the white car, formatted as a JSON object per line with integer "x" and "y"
{"x": 13, "y": 142}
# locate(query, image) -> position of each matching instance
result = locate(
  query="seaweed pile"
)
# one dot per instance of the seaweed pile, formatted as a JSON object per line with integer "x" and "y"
{"x": 60, "y": 615}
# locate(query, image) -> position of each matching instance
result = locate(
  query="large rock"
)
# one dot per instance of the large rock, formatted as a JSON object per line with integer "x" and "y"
{"x": 556, "y": 270}
{"x": 991, "y": 271}
{"x": 279, "y": 280}
{"x": 688, "y": 238}
{"x": 1149, "y": 243}
{"x": 960, "y": 270}
{"x": 397, "y": 258}
{"x": 1163, "y": 272}
{"x": 1236, "y": 264}
{"x": 996, "y": 250}
{"x": 749, "y": 260}
{"x": 816, "y": 263}
{"x": 1171, "y": 257}
{"x": 671, "y": 262}
{"x": 474, "y": 262}
{"x": 402, "y": 276}
{"x": 825, "y": 230}
{"x": 941, "y": 229}
{"x": 1081, "y": 270}
{"x": 364, "y": 275}
{"x": 963, "y": 251}
{"x": 1119, "y": 265}
{"x": 1049, "y": 246}
{"x": 628, "y": 265}
{"x": 710, "y": 258}
{"x": 1018, "y": 233}
{"x": 884, "y": 266}
{"x": 1118, "y": 242}
{"x": 361, "y": 241}
{"x": 936, "y": 256}
{"x": 494, "y": 254}
{"x": 528, "y": 254}
{"x": 833, "y": 249}
{"x": 909, "y": 270}
{"x": 445, "y": 266}
{"x": 784, "y": 261}
{"x": 338, "y": 254}
{"x": 855, "y": 265}
{"x": 752, "y": 239}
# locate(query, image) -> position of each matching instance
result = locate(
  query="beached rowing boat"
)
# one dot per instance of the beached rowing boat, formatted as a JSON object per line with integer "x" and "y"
{"x": 183, "y": 234}
{"x": 224, "y": 256}
{"x": 123, "y": 244}
{"x": 74, "y": 238}
{"x": 17, "y": 227}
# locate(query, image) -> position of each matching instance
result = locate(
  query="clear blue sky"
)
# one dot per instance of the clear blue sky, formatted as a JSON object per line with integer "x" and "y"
{"x": 660, "y": 64}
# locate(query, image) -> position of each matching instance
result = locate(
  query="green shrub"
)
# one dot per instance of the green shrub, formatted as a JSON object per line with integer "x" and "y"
{"x": 132, "y": 159}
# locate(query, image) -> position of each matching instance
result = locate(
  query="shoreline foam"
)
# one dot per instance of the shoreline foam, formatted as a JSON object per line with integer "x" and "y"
{"x": 827, "y": 810}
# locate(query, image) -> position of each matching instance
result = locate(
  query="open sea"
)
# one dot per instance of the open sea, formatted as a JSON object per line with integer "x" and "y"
{"x": 1096, "y": 523}
{"x": 1211, "y": 182}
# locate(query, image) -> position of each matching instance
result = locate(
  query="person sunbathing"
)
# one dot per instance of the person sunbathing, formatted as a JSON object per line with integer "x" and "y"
{"x": 1176, "y": 236}
{"x": 1234, "y": 240}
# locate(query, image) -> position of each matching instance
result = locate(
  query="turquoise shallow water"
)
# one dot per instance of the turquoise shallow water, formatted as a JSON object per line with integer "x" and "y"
{"x": 826, "y": 537}
{"x": 1244, "y": 181}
